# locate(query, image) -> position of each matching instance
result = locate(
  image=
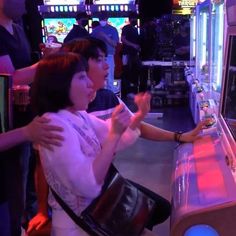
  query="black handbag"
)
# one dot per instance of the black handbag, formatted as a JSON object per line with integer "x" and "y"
{"x": 120, "y": 210}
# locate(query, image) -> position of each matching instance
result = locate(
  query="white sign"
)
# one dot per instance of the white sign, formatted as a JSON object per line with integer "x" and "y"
{"x": 63, "y": 2}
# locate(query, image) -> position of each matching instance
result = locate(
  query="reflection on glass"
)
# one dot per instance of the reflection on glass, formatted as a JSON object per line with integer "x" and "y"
{"x": 229, "y": 103}
{"x": 217, "y": 46}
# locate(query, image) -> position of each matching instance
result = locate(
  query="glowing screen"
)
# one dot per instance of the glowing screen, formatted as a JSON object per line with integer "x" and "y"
{"x": 58, "y": 27}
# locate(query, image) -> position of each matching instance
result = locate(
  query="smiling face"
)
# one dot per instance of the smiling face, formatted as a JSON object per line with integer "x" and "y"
{"x": 98, "y": 70}
{"x": 81, "y": 91}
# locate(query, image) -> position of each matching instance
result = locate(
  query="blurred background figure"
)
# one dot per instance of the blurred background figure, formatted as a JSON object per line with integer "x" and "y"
{"x": 182, "y": 41}
{"x": 78, "y": 30}
{"x": 108, "y": 34}
{"x": 131, "y": 57}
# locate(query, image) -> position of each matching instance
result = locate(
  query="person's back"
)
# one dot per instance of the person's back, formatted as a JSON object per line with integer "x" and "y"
{"x": 78, "y": 30}
{"x": 131, "y": 58}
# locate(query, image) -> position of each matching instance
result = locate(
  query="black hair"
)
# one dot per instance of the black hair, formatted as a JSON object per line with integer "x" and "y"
{"x": 81, "y": 15}
{"x": 51, "y": 87}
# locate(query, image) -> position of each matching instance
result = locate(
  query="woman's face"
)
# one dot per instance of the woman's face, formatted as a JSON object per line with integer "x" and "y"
{"x": 81, "y": 91}
{"x": 98, "y": 70}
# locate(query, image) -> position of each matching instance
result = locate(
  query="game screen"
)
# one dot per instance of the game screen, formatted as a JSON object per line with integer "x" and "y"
{"x": 58, "y": 27}
{"x": 117, "y": 22}
{"x": 63, "y": 2}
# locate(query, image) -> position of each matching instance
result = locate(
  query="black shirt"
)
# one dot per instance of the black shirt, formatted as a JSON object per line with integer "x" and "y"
{"x": 16, "y": 46}
{"x": 76, "y": 32}
{"x": 131, "y": 34}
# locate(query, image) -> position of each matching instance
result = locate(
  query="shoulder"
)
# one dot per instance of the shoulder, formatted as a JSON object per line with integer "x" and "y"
{"x": 62, "y": 118}
{"x": 103, "y": 104}
{"x": 105, "y": 98}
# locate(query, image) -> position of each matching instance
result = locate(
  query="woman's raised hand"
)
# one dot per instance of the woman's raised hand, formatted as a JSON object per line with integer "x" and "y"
{"x": 142, "y": 100}
{"x": 120, "y": 120}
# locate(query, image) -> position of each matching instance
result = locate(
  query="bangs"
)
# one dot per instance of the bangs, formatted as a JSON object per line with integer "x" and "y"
{"x": 82, "y": 66}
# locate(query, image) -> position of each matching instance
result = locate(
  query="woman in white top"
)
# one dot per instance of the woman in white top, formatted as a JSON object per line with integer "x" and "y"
{"x": 76, "y": 170}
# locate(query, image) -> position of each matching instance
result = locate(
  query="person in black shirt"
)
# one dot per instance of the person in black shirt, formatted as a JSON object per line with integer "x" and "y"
{"x": 15, "y": 48}
{"x": 78, "y": 30}
{"x": 130, "y": 57}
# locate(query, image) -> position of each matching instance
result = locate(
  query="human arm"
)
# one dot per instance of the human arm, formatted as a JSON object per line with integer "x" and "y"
{"x": 142, "y": 100}
{"x": 38, "y": 131}
{"x": 21, "y": 76}
{"x": 25, "y": 75}
{"x": 107, "y": 39}
{"x": 41, "y": 186}
{"x": 154, "y": 133}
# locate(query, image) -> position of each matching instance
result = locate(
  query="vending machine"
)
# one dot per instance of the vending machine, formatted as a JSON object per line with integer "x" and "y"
{"x": 204, "y": 173}
{"x": 58, "y": 17}
{"x": 205, "y": 81}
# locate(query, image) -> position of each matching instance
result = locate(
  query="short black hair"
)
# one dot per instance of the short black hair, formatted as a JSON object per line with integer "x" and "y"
{"x": 51, "y": 86}
{"x": 88, "y": 47}
{"x": 81, "y": 15}
{"x": 102, "y": 15}
{"x": 133, "y": 15}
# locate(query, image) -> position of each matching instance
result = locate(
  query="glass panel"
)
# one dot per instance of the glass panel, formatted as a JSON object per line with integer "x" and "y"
{"x": 217, "y": 46}
{"x": 229, "y": 103}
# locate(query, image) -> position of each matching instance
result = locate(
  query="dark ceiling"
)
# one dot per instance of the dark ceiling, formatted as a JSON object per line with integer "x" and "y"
{"x": 154, "y": 8}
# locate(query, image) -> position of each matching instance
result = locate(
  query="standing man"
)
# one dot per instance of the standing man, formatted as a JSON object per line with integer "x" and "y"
{"x": 14, "y": 54}
{"x": 78, "y": 30}
{"x": 108, "y": 34}
{"x": 130, "y": 57}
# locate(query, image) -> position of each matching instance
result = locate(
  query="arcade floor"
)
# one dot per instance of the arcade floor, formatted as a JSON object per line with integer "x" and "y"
{"x": 150, "y": 163}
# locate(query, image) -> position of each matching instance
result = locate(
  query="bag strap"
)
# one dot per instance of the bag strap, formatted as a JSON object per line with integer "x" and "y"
{"x": 79, "y": 221}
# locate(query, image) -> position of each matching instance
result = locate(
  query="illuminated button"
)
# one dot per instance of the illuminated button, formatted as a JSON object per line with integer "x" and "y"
{"x": 198, "y": 230}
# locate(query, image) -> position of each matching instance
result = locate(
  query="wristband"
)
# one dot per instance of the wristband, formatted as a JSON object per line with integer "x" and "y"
{"x": 177, "y": 136}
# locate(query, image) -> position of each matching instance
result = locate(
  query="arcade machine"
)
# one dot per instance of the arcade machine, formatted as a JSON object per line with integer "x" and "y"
{"x": 201, "y": 83}
{"x": 117, "y": 10}
{"x": 205, "y": 82}
{"x": 58, "y": 17}
{"x": 216, "y": 56}
{"x": 204, "y": 174}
